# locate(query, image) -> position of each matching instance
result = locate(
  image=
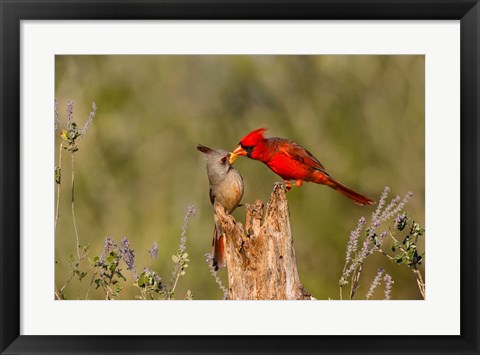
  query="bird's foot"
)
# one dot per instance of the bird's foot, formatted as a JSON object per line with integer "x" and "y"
{"x": 288, "y": 185}
{"x": 299, "y": 183}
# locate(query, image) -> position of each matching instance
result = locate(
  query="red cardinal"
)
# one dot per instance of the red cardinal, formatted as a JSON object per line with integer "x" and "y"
{"x": 292, "y": 162}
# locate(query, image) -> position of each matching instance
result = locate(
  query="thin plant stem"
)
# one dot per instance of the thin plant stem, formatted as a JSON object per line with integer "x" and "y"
{"x": 74, "y": 270}
{"x": 181, "y": 264}
{"x": 57, "y": 214}
{"x": 72, "y": 274}
{"x": 57, "y": 293}
{"x": 386, "y": 255}
{"x": 175, "y": 284}
{"x": 354, "y": 282}
{"x": 91, "y": 282}
{"x": 73, "y": 207}
{"x": 420, "y": 282}
{"x": 416, "y": 272}
{"x": 214, "y": 273}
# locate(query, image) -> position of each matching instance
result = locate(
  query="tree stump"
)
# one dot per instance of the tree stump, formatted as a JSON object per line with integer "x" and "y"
{"x": 261, "y": 259}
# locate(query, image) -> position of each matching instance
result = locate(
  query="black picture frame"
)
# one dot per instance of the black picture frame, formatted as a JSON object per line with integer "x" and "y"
{"x": 14, "y": 11}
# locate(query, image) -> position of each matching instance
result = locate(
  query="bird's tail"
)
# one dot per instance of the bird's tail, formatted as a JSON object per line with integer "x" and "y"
{"x": 218, "y": 249}
{"x": 321, "y": 178}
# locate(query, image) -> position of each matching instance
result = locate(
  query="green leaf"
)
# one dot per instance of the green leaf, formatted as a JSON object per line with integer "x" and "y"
{"x": 142, "y": 280}
{"x": 112, "y": 257}
{"x": 65, "y": 135}
{"x": 58, "y": 175}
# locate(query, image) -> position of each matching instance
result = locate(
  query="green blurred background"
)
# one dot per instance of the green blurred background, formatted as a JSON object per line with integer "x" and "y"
{"x": 137, "y": 168}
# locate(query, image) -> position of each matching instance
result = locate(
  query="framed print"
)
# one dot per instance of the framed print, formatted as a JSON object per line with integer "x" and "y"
{"x": 132, "y": 131}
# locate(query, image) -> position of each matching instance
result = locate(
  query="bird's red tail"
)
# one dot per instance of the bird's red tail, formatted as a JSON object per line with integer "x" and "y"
{"x": 321, "y": 178}
{"x": 218, "y": 249}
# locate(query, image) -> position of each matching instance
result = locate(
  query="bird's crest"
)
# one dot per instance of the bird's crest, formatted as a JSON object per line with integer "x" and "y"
{"x": 253, "y": 137}
{"x": 204, "y": 149}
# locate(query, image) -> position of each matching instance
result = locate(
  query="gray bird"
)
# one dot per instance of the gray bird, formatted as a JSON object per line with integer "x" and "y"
{"x": 226, "y": 190}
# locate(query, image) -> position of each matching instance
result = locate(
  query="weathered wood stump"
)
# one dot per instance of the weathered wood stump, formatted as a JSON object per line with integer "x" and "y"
{"x": 261, "y": 259}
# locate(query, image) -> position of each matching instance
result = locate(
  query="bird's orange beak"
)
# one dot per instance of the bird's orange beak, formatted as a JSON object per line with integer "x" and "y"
{"x": 239, "y": 151}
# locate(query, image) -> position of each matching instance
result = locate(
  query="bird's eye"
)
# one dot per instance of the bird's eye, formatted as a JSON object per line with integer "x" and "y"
{"x": 224, "y": 160}
{"x": 248, "y": 149}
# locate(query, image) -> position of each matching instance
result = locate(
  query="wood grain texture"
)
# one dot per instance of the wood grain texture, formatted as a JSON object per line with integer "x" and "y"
{"x": 260, "y": 258}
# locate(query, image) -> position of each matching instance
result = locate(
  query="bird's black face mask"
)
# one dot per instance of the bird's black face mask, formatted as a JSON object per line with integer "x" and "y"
{"x": 248, "y": 149}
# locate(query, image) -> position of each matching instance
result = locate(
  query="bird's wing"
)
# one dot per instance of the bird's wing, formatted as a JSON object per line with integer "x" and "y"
{"x": 297, "y": 152}
{"x": 212, "y": 197}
